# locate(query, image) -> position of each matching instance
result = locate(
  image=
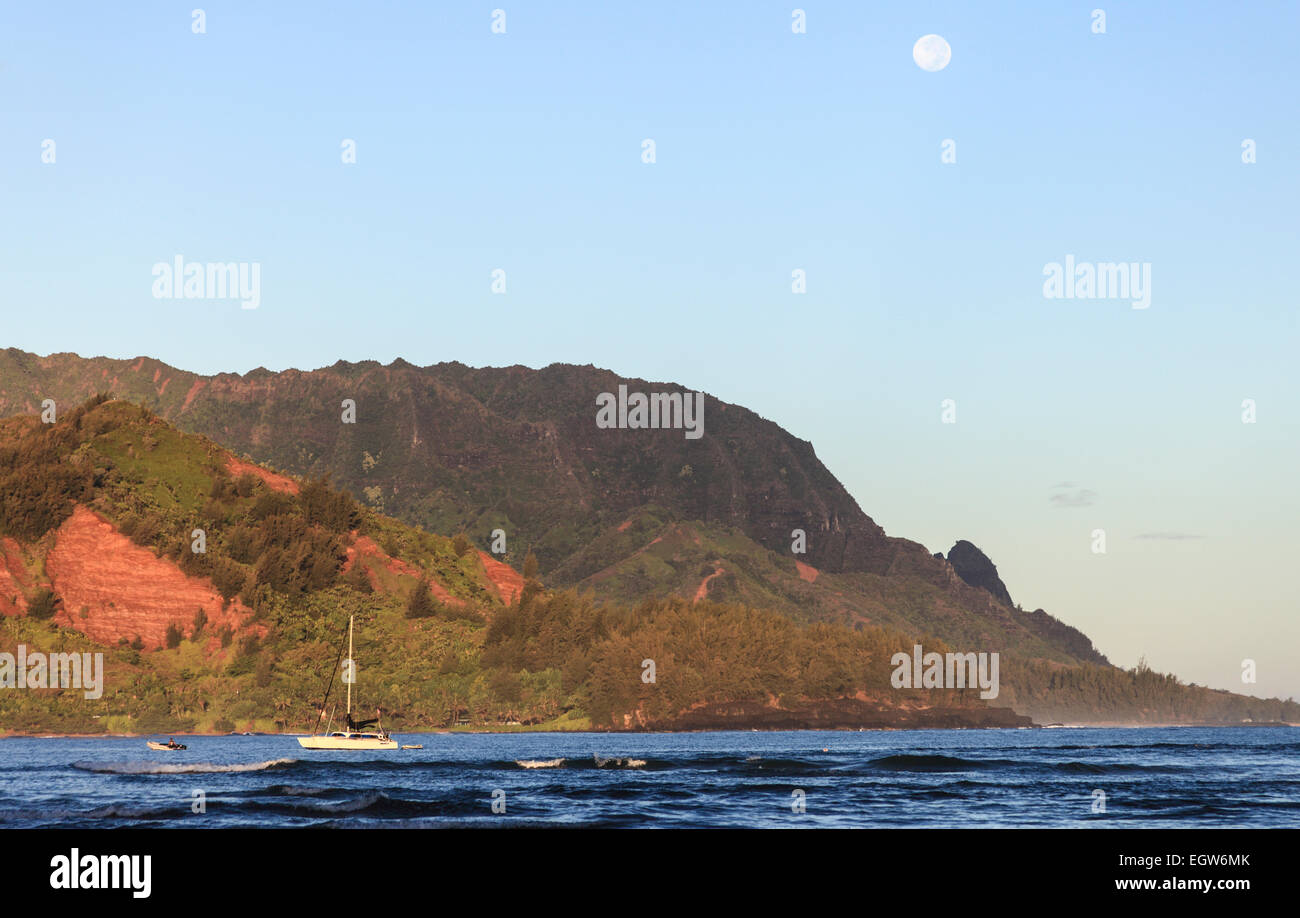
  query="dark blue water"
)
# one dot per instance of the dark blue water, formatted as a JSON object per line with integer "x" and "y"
{"x": 1170, "y": 777}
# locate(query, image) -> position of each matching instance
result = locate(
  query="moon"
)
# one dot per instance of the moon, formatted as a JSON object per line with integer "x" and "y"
{"x": 931, "y": 53}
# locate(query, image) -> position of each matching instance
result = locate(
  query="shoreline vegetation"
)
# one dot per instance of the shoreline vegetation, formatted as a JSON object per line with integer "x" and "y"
{"x": 551, "y": 728}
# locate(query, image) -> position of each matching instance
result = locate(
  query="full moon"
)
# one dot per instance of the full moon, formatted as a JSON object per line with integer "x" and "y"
{"x": 931, "y": 53}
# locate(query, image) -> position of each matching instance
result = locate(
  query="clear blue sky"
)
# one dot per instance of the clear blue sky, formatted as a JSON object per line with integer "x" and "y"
{"x": 775, "y": 151}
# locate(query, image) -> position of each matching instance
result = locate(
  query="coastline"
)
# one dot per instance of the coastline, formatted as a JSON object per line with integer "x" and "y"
{"x": 444, "y": 731}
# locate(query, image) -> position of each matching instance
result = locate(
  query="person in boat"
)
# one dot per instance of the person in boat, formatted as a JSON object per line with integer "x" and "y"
{"x": 171, "y": 742}
{"x": 359, "y": 726}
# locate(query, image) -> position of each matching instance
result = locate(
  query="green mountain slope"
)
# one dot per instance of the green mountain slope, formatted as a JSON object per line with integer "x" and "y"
{"x": 626, "y": 516}
{"x": 449, "y": 448}
{"x": 651, "y": 555}
{"x": 99, "y": 513}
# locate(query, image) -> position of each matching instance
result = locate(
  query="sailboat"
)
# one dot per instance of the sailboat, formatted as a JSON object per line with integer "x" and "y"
{"x": 355, "y": 736}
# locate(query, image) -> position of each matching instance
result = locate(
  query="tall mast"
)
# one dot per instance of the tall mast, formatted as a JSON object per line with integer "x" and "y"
{"x": 352, "y": 668}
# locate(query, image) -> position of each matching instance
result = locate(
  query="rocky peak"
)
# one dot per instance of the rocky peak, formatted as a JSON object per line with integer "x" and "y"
{"x": 974, "y": 567}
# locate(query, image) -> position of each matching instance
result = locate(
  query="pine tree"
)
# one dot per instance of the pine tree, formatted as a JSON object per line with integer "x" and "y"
{"x": 421, "y": 604}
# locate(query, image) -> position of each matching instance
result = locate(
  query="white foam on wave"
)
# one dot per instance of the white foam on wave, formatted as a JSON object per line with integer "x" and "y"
{"x": 617, "y": 762}
{"x": 186, "y": 768}
{"x": 539, "y": 763}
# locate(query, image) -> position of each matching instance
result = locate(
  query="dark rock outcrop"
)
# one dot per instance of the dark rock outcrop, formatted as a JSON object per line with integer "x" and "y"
{"x": 974, "y": 567}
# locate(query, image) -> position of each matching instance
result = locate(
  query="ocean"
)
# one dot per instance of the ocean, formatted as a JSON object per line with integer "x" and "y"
{"x": 1067, "y": 777}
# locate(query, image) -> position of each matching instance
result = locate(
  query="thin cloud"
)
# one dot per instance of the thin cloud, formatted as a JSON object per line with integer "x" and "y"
{"x": 1169, "y": 536}
{"x": 1078, "y": 497}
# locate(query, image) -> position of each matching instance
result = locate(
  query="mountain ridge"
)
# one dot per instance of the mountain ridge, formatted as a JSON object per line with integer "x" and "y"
{"x": 426, "y": 438}
{"x": 452, "y": 449}
{"x": 760, "y": 479}
{"x": 216, "y": 589}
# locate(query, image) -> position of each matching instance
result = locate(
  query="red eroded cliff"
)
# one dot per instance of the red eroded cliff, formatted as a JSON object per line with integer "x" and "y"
{"x": 15, "y": 581}
{"x": 367, "y": 550}
{"x": 509, "y": 582}
{"x": 112, "y": 588}
{"x": 806, "y": 571}
{"x": 274, "y": 481}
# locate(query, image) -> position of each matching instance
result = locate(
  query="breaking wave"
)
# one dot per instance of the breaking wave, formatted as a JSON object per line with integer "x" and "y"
{"x": 612, "y": 762}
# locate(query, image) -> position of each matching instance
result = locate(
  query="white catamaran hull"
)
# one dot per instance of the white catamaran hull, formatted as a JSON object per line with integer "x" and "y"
{"x": 347, "y": 741}
{"x": 354, "y": 737}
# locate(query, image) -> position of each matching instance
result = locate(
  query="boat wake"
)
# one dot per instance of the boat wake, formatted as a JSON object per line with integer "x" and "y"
{"x": 188, "y": 768}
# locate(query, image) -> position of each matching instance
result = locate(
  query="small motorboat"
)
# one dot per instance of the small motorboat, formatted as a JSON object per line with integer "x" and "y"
{"x": 417, "y": 746}
{"x": 172, "y": 746}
